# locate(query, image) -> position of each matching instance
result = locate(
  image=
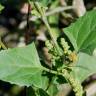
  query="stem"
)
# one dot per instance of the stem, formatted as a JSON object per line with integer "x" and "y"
{"x": 52, "y": 37}
{"x": 51, "y": 71}
{"x": 51, "y": 12}
{"x": 75, "y": 84}
{"x": 58, "y": 10}
{"x": 77, "y": 88}
{"x": 2, "y": 45}
{"x": 42, "y": 13}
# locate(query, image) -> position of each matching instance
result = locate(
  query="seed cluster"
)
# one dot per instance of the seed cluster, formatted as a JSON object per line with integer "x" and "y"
{"x": 68, "y": 58}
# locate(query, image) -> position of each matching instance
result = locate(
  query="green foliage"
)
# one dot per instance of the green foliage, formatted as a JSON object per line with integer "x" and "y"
{"x": 52, "y": 90}
{"x": 82, "y": 33}
{"x": 21, "y": 66}
{"x": 85, "y": 66}
{"x": 45, "y": 2}
{"x": 41, "y": 92}
{"x": 30, "y": 91}
{"x": 1, "y": 7}
{"x": 54, "y": 20}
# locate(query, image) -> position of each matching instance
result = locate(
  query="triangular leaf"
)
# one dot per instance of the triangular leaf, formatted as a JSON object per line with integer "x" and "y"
{"x": 82, "y": 33}
{"x": 21, "y": 66}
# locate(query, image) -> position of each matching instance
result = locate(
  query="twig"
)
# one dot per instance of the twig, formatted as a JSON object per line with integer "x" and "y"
{"x": 51, "y": 12}
{"x": 54, "y": 11}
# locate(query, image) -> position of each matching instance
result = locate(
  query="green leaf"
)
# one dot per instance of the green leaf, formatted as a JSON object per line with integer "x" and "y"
{"x": 41, "y": 92}
{"x": 21, "y": 66}
{"x": 1, "y": 7}
{"x": 44, "y": 2}
{"x": 82, "y": 33}
{"x": 52, "y": 90}
{"x": 85, "y": 66}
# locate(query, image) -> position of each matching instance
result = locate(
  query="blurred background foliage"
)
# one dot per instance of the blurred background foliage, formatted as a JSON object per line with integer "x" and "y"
{"x": 17, "y": 29}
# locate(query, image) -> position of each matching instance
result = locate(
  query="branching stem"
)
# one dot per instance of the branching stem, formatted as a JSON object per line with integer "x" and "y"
{"x": 53, "y": 12}
{"x": 49, "y": 13}
{"x": 77, "y": 88}
{"x": 75, "y": 84}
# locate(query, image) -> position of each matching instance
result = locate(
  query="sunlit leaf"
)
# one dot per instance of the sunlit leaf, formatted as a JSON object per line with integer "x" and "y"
{"x": 82, "y": 33}
{"x": 21, "y": 66}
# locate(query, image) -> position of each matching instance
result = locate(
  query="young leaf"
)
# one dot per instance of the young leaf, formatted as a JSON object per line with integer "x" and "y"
{"x": 82, "y": 33}
{"x": 22, "y": 66}
{"x": 85, "y": 66}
